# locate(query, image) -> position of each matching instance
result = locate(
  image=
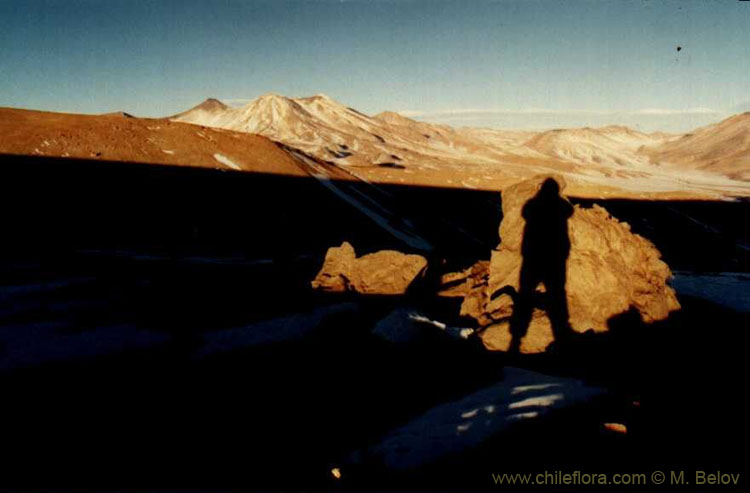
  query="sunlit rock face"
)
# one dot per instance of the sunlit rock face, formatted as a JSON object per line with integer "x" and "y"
{"x": 607, "y": 270}
{"x": 386, "y": 272}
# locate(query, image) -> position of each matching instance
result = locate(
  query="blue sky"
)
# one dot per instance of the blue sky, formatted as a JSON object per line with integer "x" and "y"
{"x": 518, "y": 63}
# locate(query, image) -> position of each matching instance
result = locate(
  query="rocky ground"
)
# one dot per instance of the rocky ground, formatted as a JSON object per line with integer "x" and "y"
{"x": 158, "y": 330}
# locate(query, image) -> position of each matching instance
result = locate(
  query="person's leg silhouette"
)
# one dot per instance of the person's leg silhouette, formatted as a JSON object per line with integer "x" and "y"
{"x": 523, "y": 305}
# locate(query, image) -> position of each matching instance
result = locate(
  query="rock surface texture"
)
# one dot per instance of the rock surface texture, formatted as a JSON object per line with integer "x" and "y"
{"x": 607, "y": 270}
{"x": 386, "y": 272}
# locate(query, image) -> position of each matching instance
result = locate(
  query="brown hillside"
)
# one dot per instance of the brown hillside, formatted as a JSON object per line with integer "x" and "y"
{"x": 155, "y": 141}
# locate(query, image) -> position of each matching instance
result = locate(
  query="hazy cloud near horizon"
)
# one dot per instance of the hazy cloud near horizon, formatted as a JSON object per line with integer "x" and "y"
{"x": 646, "y": 120}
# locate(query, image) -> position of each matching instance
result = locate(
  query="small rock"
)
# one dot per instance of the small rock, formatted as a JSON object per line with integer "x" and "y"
{"x": 386, "y": 272}
{"x": 616, "y": 428}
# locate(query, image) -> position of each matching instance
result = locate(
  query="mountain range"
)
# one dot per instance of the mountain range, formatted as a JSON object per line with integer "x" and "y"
{"x": 322, "y": 137}
{"x": 393, "y": 148}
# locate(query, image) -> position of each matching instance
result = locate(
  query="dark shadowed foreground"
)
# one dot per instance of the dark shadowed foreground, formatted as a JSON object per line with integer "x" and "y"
{"x": 158, "y": 330}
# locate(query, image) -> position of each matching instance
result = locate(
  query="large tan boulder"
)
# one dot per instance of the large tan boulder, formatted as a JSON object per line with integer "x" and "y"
{"x": 606, "y": 269}
{"x": 386, "y": 272}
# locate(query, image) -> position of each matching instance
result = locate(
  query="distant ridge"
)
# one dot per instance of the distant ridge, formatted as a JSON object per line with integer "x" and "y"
{"x": 210, "y": 105}
{"x": 614, "y": 145}
{"x": 392, "y": 147}
{"x": 723, "y": 147}
{"x": 331, "y": 131}
{"x": 120, "y": 114}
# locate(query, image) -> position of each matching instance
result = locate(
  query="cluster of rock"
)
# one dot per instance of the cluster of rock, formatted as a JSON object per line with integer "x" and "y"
{"x": 610, "y": 270}
{"x": 386, "y": 272}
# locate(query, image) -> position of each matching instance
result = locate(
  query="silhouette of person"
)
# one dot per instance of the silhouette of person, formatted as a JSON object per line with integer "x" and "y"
{"x": 545, "y": 248}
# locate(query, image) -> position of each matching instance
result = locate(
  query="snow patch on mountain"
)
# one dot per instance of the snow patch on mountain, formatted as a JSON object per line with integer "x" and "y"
{"x": 226, "y": 161}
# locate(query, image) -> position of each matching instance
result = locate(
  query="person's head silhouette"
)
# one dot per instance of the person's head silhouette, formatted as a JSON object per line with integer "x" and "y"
{"x": 550, "y": 188}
